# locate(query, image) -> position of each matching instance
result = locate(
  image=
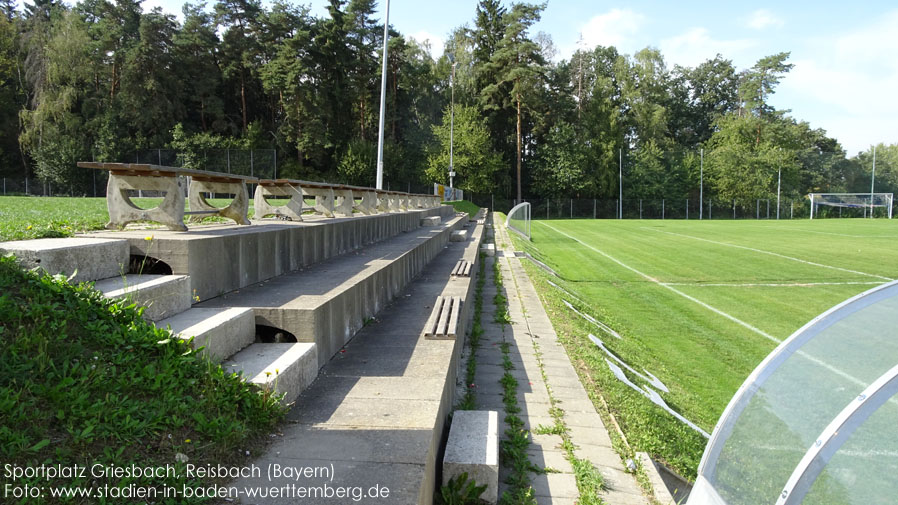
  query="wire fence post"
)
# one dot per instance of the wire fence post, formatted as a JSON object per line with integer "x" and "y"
{"x": 662, "y": 208}
{"x": 768, "y": 208}
{"x": 734, "y": 208}
{"x": 709, "y": 208}
{"x": 640, "y": 208}
{"x": 593, "y": 208}
{"x": 758, "y": 209}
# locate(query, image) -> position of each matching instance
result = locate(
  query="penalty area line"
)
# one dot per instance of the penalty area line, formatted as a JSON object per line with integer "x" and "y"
{"x": 778, "y": 255}
{"x": 772, "y": 284}
{"x": 667, "y": 286}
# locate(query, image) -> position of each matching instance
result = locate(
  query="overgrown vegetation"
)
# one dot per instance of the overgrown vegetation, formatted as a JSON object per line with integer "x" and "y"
{"x": 85, "y": 380}
{"x": 106, "y": 80}
{"x": 513, "y": 448}
{"x": 464, "y": 206}
{"x": 469, "y": 402}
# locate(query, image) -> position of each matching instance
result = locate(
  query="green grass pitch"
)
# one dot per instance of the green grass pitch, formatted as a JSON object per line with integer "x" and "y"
{"x": 699, "y": 305}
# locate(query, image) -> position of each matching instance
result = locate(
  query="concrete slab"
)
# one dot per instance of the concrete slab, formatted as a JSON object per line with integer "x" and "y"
{"x": 281, "y": 368}
{"x": 329, "y": 303}
{"x": 92, "y": 258}
{"x": 473, "y": 448}
{"x": 223, "y": 258}
{"x": 162, "y": 295}
{"x": 430, "y": 221}
{"x": 221, "y": 332}
{"x": 459, "y": 236}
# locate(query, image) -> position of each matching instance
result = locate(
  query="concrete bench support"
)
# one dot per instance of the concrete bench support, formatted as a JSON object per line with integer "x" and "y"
{"x": 126, "y": 177}
{"x": 123, "y": 211}
{"x": 473, "y": 448}
{"x": 344, "y": 202}
{"x": 368, "y": 204}
{"x": 236, "y": 210}
{"x": 292, "y": 210}
{"x": 324, "y": 199}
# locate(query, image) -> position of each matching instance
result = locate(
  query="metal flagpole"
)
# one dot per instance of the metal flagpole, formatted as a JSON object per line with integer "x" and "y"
{"x": 383, "y": 98}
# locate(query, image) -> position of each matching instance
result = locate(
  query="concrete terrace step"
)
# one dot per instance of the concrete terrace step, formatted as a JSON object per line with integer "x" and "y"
{"x": 221, "y": 332}
{"x": 327, "y": 304}
{"x": 162, "y": 295}
{"x": 93, "y": 258}
{"x": 224, "y": 257}
{"x": 280, "y": 368}
{"x": 377, "y": 411}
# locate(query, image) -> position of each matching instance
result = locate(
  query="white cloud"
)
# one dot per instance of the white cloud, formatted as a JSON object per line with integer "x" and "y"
{"x": 763, "y": 18}
{"x": 426, "y": 38}
{"x": 616, "y": 27}
{"x": 845, "y": 83}
{"x": 696, "y": 45}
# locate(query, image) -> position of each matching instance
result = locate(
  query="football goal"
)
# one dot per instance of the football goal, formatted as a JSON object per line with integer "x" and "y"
{"x": 866, "y": 201}
{"x": 518, "y": 219}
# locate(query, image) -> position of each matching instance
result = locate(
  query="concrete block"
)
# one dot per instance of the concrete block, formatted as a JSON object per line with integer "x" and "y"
{"x": 93, "y": 258}
{"x": 280, "y": 368}
{"x": 221, "y": 332}
{"x": 458, "y": 236}
{"x": 162, "y": 295}
{"x": 430, "y": 221}
{"x": 473, "y": 447}
{"x": 488, "y": 249}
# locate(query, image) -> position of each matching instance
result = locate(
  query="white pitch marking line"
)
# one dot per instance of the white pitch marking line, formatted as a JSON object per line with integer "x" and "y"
{"x": 828, "y": 233}
{"x": 740, "y": 322}
{"x": 770, "y": 253}
{"x": 773, "y": 284}
{"x": 675, "y": 290}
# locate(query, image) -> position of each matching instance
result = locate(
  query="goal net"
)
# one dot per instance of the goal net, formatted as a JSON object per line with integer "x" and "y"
{"x": 867, "y": 202}
{"x": 518, "y": 219}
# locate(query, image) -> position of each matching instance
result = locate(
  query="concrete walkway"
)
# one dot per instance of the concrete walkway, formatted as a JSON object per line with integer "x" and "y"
{"x": 536, "y": 353}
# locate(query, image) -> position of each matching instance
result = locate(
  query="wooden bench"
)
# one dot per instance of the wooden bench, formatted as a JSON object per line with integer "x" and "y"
{"x": 125, "y": 177}
{"x": 332, "y": 200}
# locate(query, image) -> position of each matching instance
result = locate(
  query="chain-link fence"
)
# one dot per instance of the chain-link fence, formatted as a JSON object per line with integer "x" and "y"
{"x": 261, "y": 163}
{"x": 762, "y": 208}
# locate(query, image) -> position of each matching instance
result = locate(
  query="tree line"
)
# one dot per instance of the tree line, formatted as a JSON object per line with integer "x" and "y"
{"x": 101, "y": 80}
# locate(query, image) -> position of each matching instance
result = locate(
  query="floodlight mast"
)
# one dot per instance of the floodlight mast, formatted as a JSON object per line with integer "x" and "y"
{"x": 452, "y": 128}
{"x": 872, "y": 181}
{"x": 701, "y": 184}
{"x": 383, "y": 98}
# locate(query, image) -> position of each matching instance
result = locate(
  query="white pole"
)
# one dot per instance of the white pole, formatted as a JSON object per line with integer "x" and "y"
{"x": 701, "y": 184}
{"x": 812, "y": 205}
{"x": 872, "y": 181}
{"x": 779, "y": 178}
{"x": 383, "y": 98}
{"x": 452, "y": 129}
{"x": 620, "y": 184}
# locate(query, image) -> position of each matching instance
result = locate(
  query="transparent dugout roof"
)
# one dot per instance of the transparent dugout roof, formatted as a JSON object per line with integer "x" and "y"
{"x": 817, "y": 421}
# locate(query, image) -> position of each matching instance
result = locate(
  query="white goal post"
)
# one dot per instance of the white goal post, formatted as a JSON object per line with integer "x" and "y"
{"x": 853, "y": 201}
{"x": 518, "y": 219}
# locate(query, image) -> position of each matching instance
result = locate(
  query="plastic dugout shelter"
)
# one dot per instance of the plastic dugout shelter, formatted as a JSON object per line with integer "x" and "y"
{"x": 817, "y": 420}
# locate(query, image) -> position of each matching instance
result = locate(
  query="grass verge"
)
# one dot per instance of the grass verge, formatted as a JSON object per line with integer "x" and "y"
{"x": 84, "y": 381}
{"x": 464, "y": 206}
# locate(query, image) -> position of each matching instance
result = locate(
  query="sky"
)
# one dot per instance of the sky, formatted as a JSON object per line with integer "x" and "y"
{"x": 845, "y": 53}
